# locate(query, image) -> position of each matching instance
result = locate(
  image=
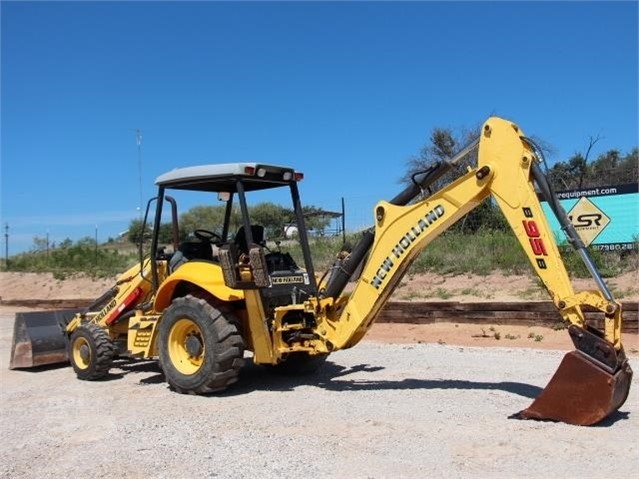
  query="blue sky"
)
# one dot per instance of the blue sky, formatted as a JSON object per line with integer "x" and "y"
{"x": 344, "y": 91}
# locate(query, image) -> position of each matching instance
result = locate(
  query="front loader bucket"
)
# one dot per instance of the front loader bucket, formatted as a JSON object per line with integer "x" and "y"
{"x": 581, "y": 392}
{"x": 39, "y": 338}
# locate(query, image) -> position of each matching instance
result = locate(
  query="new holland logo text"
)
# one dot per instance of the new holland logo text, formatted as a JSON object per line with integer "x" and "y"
{"x": 404, "y": 243}
{"x": 287, "y": 279}
{"x": 105, "y": 311}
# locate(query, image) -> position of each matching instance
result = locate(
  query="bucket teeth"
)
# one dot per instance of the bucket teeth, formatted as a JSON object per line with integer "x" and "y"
{"x": 580, "y": 392}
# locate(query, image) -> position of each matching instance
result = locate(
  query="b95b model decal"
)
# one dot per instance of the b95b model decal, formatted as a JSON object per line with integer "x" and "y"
{"x": 534, "y": 237}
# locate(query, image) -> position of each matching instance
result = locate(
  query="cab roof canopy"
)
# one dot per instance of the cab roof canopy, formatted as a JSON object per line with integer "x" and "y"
{"x": 223, "y": 177}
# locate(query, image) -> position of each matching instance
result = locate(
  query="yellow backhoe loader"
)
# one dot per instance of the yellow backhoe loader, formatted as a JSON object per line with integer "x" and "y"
{"x": 198, "y": 305}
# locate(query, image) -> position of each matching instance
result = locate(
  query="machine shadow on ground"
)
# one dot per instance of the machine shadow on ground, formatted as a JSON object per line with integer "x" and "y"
{"x": 331, "y": 377}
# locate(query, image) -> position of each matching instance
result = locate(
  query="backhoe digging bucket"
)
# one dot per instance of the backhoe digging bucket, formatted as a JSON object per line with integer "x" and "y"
{"x": 581, "y": 392}
{"x": 39, "y": 339}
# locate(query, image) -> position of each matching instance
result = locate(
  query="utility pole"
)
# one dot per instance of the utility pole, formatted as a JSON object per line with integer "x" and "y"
{"x": 343, "y": 222}
{"x": 138, "y": 140}
{"x": 6, "y": 246}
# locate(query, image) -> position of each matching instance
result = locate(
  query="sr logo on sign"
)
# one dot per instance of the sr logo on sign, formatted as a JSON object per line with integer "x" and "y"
{"x": 588, "y": 219}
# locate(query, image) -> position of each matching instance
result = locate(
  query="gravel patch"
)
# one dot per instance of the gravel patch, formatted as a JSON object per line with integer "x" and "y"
{"x": 375, "y": 411}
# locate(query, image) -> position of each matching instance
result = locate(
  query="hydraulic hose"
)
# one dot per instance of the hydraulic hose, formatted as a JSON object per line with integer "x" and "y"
{"x": 421, "y": 181}
{"x": 548, "y": 193}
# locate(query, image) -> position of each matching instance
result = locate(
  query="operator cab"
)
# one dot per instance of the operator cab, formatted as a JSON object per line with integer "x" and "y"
{"x": 242, "y": 252}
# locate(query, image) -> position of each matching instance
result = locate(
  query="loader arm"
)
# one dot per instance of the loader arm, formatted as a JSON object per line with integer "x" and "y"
{"x": 41, "y": 338}
{"x": 132, "y": 288}
{"x": 507, "y": 171}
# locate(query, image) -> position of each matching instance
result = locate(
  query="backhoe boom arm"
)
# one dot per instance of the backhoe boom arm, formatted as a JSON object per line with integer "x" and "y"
{"x": 507, "y": 171}
{"x": 503, "y": 172}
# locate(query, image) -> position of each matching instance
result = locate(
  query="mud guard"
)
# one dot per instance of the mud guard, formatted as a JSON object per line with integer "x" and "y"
{"x": 39, "y": 338}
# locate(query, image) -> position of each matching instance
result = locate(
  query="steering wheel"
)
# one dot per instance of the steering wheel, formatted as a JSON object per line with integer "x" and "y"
{"x": 208, "y": 236}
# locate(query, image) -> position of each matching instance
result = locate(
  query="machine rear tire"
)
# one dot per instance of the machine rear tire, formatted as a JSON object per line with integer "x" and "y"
{"x": 299, "y": 364}
{"x": 200, "y": 348}
{"x": 91, "y": 352}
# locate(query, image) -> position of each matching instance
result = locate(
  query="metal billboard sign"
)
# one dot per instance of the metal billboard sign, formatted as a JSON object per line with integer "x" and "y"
{"x": 606, "y": 218}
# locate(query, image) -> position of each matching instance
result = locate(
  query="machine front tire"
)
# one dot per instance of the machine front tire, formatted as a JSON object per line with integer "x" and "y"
{"x": 91, "y": 352}
{"x": 200, "y": 349}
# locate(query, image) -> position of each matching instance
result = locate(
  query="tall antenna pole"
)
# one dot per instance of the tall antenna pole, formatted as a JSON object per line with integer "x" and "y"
{"x": 6, "y": 245}
{"x": 343, "y": 221}
{"x": 138, "y": 140}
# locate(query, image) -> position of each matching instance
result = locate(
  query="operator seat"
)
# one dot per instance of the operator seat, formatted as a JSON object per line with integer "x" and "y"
{"x": 190, "y": 250}
{"x": 257, "y": 231}
{"x": 197, "y": 249}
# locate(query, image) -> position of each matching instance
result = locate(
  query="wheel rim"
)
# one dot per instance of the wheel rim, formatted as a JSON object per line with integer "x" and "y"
{"x": 81, "y": 353}
{"x": 186, "y": 346}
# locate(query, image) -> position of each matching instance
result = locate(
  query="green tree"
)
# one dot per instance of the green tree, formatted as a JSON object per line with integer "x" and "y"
{"x": 206, "y": 217}
{"x": 166, "y": 233}
{"x": 86, "y": 242}
{"x": 40, "y": 243}
{"x": 609, "y": 168}
{"x": 443, "y": 145}
{"x": 572, "y": 174}
{"x": 272, "y": 216}
{"x": 136, "y": 232}
{"x": 316, "y": 218}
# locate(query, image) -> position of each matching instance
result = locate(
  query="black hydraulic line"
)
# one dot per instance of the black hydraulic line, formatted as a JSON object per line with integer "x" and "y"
{"x": 572, "y": 236}
{"x": 548, "y": 194}
{"x": 421, "y": 181}
{"x": 340, "y": 277}
{"x": 102, "y": 300}
{"x": 127, "y": 315}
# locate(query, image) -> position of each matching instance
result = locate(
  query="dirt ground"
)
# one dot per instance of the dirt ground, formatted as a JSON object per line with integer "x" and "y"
{"x": 462, "y": 288}
{"x": 422, "y": 287}
{"x": 410, "y": 401}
